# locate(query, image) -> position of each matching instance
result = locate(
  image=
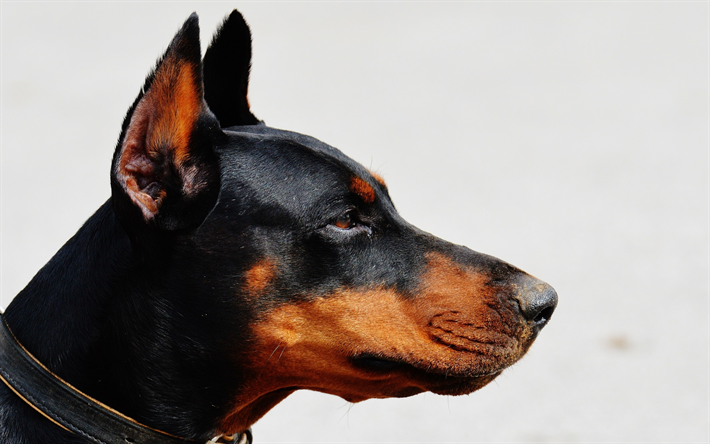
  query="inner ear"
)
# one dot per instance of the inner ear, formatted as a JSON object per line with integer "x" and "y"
{"x": 164, "y": 164}
{"x": 156, "y": 147}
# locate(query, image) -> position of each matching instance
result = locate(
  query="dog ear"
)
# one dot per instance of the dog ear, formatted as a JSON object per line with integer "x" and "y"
{"x": 165, "y": 172}
{"x": 226, "y": 70}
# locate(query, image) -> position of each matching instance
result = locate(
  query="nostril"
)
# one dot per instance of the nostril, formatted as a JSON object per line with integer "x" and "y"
{"x": 544, "y": 316}
{"x": 537, "y": 302}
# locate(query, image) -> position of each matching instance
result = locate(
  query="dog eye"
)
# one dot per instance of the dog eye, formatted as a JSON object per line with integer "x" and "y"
{"x": 346, "y": 221}
{"x": 349, "y": 223}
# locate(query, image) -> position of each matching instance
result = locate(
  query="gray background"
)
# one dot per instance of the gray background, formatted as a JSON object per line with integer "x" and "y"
{"x": 570, "y": 139}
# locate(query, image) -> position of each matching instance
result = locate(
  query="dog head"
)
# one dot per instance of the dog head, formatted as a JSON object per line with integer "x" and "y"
{"x": 288, "y": 262}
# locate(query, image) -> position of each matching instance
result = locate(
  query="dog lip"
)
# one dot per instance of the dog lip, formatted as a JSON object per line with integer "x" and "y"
{"x": 384, "y": 364}
{"x": 377, "y": 363}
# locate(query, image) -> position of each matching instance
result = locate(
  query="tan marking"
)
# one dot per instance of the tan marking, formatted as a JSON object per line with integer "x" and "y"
{"x": 362, "y": 189}
{"x": 378, "y": 178}
{"x": 471, "y": 317}
{"x": 176, "y": 104}
{"x": 162, "y": 123}
{"x": 258, "y": 277}
{"x": 455, "y": 325}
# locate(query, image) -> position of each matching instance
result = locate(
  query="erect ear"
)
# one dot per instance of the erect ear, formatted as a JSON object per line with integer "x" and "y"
{"x": 226, "y": 69}
{"x": 165, "y": 172}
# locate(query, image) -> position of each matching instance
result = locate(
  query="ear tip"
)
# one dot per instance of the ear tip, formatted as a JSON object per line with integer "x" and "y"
{"x": 236, "y": 21}
{"x": 232, "y": 40}
{"x": 186, "y": 43}
{"x": 191, "y": 27}
{"x": 193, "y": 19}
{"x": 236, "y": 16}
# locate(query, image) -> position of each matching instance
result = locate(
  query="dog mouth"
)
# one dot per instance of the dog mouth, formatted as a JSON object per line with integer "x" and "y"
{"x": 457, "y": 358}
{"x": 384, "y": 364}
{"x": 377, "y": 364}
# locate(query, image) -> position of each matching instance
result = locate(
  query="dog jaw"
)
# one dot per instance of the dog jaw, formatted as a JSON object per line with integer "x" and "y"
{"x": 454, "y": 336}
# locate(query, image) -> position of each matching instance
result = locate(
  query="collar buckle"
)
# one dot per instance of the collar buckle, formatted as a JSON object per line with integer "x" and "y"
{"x": 239, "y": 438}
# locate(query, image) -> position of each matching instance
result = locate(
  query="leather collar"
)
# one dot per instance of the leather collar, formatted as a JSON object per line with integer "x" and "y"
{"x": 73, "y": 410}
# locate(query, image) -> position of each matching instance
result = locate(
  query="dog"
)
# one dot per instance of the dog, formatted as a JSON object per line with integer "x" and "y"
{"x": 236, "y": 263}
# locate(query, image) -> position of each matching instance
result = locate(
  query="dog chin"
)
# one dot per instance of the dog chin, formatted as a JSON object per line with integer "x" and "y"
{"x": 448, "y": 386}
{"x": 456, "y": 386}
{"x": 409, "y": 379}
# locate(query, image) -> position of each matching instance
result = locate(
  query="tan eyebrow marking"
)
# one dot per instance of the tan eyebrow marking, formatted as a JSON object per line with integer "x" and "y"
{"x": 362, "y": 189}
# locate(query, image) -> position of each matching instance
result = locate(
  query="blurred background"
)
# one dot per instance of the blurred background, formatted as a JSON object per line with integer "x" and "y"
{"x": 570, "y": 139}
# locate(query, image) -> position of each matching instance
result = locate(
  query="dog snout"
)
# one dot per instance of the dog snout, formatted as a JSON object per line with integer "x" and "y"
{"x": 537, "y": 300}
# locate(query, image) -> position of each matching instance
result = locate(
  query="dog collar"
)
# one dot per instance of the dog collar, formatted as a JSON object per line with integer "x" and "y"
{"x": 73, "y": 410}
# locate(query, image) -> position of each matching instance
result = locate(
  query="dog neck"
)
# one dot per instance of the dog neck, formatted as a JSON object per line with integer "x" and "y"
{"x": 90, "y": 317}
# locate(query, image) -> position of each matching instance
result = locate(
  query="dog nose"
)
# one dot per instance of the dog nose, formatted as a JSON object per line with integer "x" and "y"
{"x": 537, "y": 301}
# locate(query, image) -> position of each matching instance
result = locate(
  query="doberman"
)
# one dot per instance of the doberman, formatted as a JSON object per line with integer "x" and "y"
{"x": 236, "y": 263}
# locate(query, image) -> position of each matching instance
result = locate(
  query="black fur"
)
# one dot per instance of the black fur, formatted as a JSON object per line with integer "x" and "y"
{"x": 226, "y": 70}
